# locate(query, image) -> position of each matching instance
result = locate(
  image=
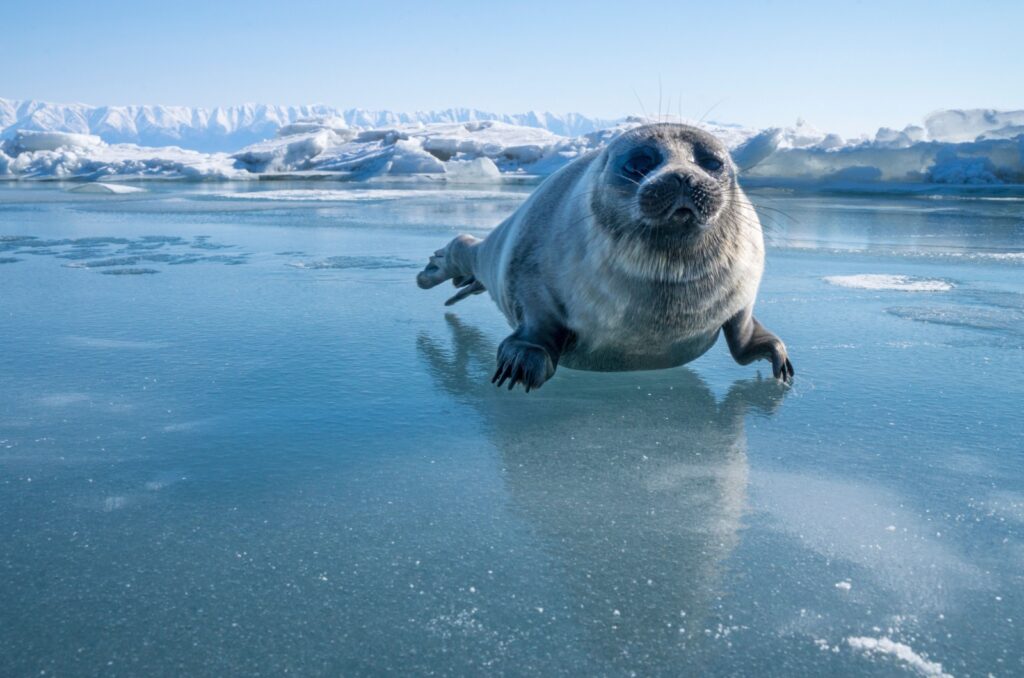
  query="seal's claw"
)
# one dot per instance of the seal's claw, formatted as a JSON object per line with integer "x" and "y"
{"x": 520, "y": 362}
{"x": 782, "y": 368}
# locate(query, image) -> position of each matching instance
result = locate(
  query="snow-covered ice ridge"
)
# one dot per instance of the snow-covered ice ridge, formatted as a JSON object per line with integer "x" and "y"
{"x": 42, "y": 141}
{"x": 229, "y": 128}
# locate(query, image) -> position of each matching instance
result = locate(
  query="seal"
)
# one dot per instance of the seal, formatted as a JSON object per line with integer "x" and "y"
{"x": 632, "y": 257}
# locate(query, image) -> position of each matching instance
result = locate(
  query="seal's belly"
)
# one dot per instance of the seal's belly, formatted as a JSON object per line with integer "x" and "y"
{"x": 648, "y": 329}
{"x": 631, "y": 355}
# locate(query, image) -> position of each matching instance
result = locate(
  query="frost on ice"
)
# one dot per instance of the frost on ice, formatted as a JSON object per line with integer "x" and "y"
{"x": 959, "y": 147}
{"x": 899, "y": 651}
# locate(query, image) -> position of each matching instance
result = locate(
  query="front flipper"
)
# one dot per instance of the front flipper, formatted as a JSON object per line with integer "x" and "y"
{"x": 529, "y": 357}
{"x": 749, "y": 341}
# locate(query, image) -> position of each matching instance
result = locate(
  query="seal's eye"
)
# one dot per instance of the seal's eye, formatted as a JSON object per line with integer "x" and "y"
{"x": 641, "y": 163}
{"x": 710, "y": 162}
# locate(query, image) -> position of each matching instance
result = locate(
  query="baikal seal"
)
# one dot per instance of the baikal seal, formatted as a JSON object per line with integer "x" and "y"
{"x": 632, "y": 257}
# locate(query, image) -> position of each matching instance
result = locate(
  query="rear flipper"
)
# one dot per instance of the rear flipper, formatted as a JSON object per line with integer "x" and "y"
{"x": 455, "y": 263}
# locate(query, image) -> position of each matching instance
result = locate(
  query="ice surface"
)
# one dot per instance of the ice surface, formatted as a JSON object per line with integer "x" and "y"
{"x": 273, "y": 468}
{"x": 956, "y": 147}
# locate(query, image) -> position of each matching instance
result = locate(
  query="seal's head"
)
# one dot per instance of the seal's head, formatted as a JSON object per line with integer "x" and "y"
{"x": 665, "y": 187}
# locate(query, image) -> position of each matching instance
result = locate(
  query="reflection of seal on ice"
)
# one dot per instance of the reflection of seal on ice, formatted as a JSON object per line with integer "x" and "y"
{"x": 635, "y": 497}
{"x": 633, "y": 257}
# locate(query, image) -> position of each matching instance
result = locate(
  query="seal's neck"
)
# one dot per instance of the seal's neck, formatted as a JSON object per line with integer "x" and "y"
{"x": 730, "y": 244}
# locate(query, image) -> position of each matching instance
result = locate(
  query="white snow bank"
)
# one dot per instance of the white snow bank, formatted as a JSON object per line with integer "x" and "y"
{"x": 232, "y": 127}
{"x": 990, "y": 162}
{"x": 901, "y": 652}
{"x": 485, "y": 150}
{"x": 881, "y": 281}
{"x": 468, "y": 151}
{"x": 974, "y": 124}
{"x": 47, "y": 155}
{"x": 98, "y": 187}
{"x": 293, "y": 151}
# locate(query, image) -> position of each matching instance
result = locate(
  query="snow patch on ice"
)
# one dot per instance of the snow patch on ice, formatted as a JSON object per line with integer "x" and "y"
{"x": 880, "y": 281}
{"x": 901, "y": 652}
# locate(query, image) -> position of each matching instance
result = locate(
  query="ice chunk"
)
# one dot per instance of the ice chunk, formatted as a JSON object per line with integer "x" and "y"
{"x": 290, "y": 152}
{"x": 410, "y": 158}
{"x": 968, "y": 125}
{"x": 33, "y": 141}
{"x": 28, "y": 142}
{"x": 756, "y": 149}
{"x": 99, "y": 187}
{"x": 950, "y": 168}
{"x": 334, "y": 123}
{"x": 472, "y": 171}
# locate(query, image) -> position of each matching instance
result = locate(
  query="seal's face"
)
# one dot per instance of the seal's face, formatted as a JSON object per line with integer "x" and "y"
{"x": 668, "y": 185}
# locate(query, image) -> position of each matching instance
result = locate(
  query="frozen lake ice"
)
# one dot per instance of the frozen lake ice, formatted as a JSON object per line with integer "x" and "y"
{"x": 235, "y": 438}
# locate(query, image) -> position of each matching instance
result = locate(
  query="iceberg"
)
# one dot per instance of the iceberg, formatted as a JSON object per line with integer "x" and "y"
{"x": 53, "y": 155}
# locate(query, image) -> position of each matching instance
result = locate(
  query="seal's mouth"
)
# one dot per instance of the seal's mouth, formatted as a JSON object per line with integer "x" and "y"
{"x": 683, "y": 215}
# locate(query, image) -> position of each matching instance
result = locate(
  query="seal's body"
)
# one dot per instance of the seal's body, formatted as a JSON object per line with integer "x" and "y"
{"x": 632, "y": 257}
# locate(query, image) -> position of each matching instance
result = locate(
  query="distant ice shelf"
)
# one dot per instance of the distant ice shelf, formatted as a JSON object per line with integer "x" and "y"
{"x": 955, "y": 148}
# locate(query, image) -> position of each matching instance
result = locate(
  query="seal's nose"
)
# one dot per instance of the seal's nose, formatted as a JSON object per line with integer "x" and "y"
{"x": 663, "y": 196}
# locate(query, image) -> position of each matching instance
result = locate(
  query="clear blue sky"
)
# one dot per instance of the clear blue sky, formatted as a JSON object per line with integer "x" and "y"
{"x": 844, "y": 66}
